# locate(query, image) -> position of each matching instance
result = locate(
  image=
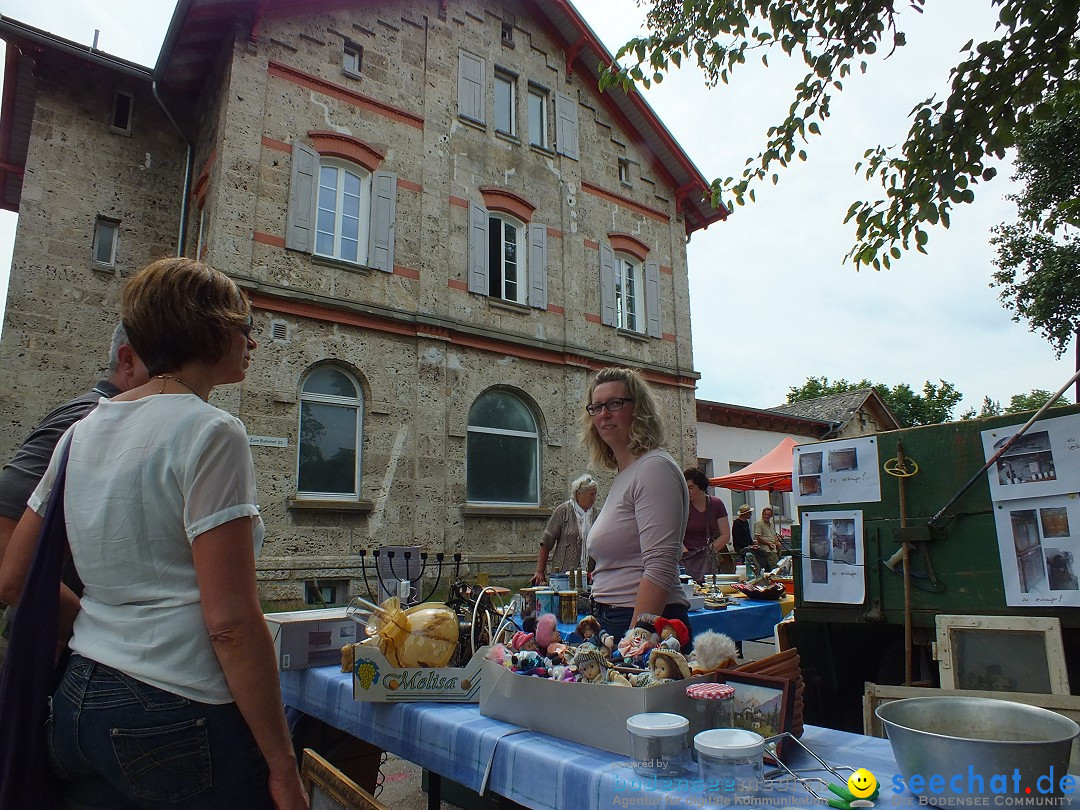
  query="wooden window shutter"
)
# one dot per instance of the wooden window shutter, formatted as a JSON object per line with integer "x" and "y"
{"x": 300, "y": 226}
{"x": 471, "y": 87}
{"x": 383, "y": 211}
{"x": 537, "y": 265}
{"x": 652, "y": 298}
{"x": 478, "y": 249}
{"x": 607, "y": 285}
{"x": 566, "y": 125}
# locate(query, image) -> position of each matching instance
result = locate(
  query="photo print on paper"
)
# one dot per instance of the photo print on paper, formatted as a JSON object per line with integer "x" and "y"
{"x": 846, "y": 459}
{"x": 1030, "y": 458}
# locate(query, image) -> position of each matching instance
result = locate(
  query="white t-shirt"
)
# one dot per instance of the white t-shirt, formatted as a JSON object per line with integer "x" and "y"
{"x": 639, "y": 532}
{"x": 145, "y": 478}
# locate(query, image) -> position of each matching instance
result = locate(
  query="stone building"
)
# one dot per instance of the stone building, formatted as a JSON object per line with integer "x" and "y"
{"x": 442, "y": 224}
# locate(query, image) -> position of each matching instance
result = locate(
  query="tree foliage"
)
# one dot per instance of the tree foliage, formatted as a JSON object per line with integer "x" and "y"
{"x": 996, "y": 91}
{"x": 935, "y": 404}
{"x": 1017, "y": 403}
{"x": 1038, "y": 256}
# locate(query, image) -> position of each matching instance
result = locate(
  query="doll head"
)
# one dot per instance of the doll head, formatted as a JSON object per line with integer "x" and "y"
{"x": 523, "y": 641}
{"x": 590, "y": 665}
{"x": 588, "y": 627}
{"x": 667, "y": 664}
{"x": 547, "y": 632}
{"x": 673, "y": 628}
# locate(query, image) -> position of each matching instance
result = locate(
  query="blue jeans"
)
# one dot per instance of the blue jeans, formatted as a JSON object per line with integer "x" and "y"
{"x": 616, "y": 620}
{"x": 116, "y": 742}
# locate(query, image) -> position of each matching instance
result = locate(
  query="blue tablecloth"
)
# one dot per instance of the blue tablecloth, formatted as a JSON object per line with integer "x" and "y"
{"x": 539, "y": 771}
{"x": 741, "y": 620}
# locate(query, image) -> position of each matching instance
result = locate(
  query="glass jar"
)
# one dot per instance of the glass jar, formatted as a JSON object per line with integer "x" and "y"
{"x": 730, "y": 764}
{"x": 659, "y": 743}
{"x": 714, "y": 703}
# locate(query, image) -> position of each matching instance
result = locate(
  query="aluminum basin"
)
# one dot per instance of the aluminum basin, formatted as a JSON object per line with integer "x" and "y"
{"x": 970, "y": 737}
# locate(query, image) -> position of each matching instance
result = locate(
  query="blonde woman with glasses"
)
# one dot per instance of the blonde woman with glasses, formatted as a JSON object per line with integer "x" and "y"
{"x": 637, "y": 539}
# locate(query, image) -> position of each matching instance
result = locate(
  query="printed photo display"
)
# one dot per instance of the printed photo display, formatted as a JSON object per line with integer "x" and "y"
{"x": 1039, "y": 543}
{"x": 834, "y": 570}
{"x": 1044, "y": 461}
{"x": 841, "y": 471}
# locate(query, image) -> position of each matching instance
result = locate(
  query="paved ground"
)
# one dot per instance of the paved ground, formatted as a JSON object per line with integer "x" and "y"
{"x": 402, "y": 788}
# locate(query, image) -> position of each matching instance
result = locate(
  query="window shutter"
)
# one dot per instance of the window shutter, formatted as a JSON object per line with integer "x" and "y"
{"x": 471, "y": 86}
{"x": 566, "y": 125}
{"x": 607, "y": 285}
{"x": 478, "y": 249}
{"x": 537, "y": 266}
{"x": 652, "y": 298}
{"x": 381, "y": 232}
{"x": 300, "y": 229}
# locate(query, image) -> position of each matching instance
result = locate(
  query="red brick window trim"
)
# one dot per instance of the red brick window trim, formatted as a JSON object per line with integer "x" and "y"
{"x": 625, "y": 243}
{"x": 346, "y": 147}
{"x": 507, "y": 202}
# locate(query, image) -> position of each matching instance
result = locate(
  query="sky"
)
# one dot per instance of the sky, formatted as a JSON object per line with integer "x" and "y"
{"x": 772, "y": 302}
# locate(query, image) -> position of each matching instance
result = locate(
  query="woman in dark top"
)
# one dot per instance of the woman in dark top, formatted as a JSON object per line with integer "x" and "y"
{"x": 706, "y": 527}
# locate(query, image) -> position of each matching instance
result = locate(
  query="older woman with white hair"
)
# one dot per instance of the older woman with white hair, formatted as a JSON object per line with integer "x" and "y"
{"x": 568, "y": 529}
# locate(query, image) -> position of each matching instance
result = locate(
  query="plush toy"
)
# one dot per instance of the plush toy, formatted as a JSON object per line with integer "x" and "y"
{"x": 522, "y": 641}
{"x": 639, "y": 640}
{"x": 499, "y": 654}
{"x": 547, "y": 632}
{"x": 712, "y": 651}
{"x": 664, "y": 666}
{"x": 673, "y": 633}
{"x": 529, "y": 662}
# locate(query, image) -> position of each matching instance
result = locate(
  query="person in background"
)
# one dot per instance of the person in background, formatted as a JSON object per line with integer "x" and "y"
{"x": 637, "y": 539}
{"x": 766, "y": 546}
{"x": 171, "y": 695}
{"x": 21, "y": 475}
{"x": 707, "y": 529}
{"x": 740, "y": 530}
{"x": 568, "y": 530}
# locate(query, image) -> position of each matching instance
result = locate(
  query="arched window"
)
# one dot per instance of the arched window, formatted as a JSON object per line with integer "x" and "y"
{"x": 331, "y": 422}
{"x": 502, "y": 460}
{"x": 341, "y": 220}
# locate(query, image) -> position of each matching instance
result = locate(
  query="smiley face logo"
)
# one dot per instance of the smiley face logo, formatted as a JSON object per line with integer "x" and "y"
{"x": 862, "y": 783}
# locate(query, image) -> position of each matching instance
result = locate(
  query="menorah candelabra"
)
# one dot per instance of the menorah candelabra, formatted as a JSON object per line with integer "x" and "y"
{"x": 390, "y": 585}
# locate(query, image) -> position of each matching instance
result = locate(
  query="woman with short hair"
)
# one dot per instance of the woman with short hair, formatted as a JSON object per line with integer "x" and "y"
{"x": 707, "y": 536}
{"x": 567, "y": 530}
{"x": 171, "y": 696}
{"x": 637, "y": 539}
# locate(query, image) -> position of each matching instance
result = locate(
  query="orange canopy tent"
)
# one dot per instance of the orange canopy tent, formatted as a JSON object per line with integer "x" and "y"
{"x": 771, "y": 472}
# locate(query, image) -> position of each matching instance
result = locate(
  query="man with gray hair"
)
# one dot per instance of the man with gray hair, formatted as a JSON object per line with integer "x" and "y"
{"x": 20, "y": 476}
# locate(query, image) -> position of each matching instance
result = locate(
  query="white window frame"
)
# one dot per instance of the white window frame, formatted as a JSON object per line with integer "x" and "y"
{"x": 357, "y": 403}
{"x": 502, "y": 77}
{"x": 113, "y": 127}
{"x": 535, "y": 436}
{"x": 344, "y": 168}
{"x": 101, "y": 226}
{"x": 629, "y": 304}
{"x": 539, "y": 94}
{"x": 497, "y": 262}
{"x": 352, "y": 58}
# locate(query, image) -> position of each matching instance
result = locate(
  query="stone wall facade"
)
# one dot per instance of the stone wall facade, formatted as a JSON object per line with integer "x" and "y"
{"x": 420, "y": 345}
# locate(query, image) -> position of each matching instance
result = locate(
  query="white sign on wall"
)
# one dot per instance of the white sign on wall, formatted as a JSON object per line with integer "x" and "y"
{"x": 268, "y": 441}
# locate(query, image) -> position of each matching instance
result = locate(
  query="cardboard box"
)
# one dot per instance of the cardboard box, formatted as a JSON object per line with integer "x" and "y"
{"x": 310, "y": 638}
{"x": 375, "y": 680}
{"x": 585, "y": 713}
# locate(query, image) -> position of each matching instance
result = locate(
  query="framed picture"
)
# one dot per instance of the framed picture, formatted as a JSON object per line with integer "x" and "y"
{"x": 330, "y": 789}
{"x": 1001, "y": 654}
{"x": 763, "y": 703}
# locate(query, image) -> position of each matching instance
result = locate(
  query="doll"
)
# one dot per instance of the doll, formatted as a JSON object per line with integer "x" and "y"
{"x": 529, "y": 663}
{"x": 592, "y": 633}
{"x": 547, "y": 633}
{"x": 591, "y": 666}
{"x": 522, "y": 641}
{"x": 673, "y": 634}
{"x": 664, "y": 666}
{"x": 712, "y": 651}
{"x": 638, "y": 641}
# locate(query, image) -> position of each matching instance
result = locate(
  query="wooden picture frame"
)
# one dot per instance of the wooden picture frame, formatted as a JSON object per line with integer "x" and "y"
{"x": 330, "y": 789}
{"x": 763, "y": 704}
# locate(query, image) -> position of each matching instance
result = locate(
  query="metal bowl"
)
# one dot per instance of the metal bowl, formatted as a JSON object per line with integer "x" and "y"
{"x": 977, "y": 739}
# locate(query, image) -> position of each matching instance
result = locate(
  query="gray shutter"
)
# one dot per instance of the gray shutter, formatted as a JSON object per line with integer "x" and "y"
{"x": 607, "y": 285}
{"x": 566, "y": 125}
{"x": 478, "y": 249}
{"x": 652, "y": 298}
{"x": 381, "y": 231}
{"x": 537, "y": 266}
{"x": 471, "y": 87}
{"x": 299, "y": 228}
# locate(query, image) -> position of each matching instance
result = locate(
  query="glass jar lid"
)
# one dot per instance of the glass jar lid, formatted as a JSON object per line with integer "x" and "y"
{"x": 729, "y": 742}
{"x": 657, "y": 724}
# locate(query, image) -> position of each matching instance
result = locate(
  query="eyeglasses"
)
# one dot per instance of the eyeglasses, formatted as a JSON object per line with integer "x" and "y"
{"x": 612, "y": 405}
{"x": 250, "y": 325}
